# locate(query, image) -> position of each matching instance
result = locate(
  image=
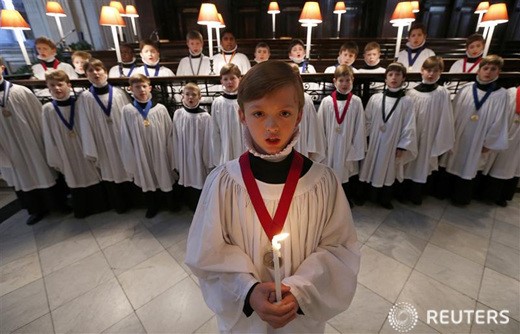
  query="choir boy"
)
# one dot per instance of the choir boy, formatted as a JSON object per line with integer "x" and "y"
{"x": 191, "y": 144}
{"x": 63, "y": 148}
{"x": 146, "y": 148}
{"x": 22, "y": 153}
{"x": 229, "y": 245}
{"x": 372, "y": 58}
{"x": 229, "y": 54}
{"x": 480, "y": 127}
{"x": 150, "y": 55}
{"x": 474, "y": 49}
{"x": 79, "y": 58}
{"x": 415, "y": 52}
{"x": 297, "y": 56}
{"x": 434, "y": 129}
{"x": 262, "y": 52}
{"x": 390, "y": 127}
{"x": 342, "y": 119}
{"x": 226, "y": 129}
{"x": 99, "y": 119}
{"x": 196, "y": 63}
{"x": 47, "y": 60}
{"x": 347, "y": 56}
{"x": 128, "y": 63}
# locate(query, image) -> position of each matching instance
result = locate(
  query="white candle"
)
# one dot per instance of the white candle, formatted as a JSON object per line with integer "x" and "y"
{"x": 276, "y": 259}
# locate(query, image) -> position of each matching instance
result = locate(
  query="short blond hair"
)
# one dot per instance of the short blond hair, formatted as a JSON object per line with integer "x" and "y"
{"x": 492, "y": 60}
{"x": 193, "y": 87}
{"x": 433, "y": 62}
{"x": 230, "y": 69}
{"x": 343, "y": 71}
{"x": 57, "y": 75}
{"x": 81, "y": 54}
{"x": 95, "y": 63}
{"x": 138, "y": 78}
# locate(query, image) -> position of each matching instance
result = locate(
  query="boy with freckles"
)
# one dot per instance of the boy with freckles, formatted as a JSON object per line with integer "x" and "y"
{"x": 229, "y": 243}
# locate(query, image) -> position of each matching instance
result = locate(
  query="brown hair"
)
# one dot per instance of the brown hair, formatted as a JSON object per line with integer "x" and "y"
{"x": 57, "y": 75}
{"x": 81, "y": 54}
{"x": 230, "y": 69}
{"x": 150, "y": 42}
{"x": 397, "y": 67}
{"x": 138, "y": 78}
{"x": 475, "y": 38}
{"x": 351, "y": 47}
{"x": 93, "y": 62}
{"x": 415, "y": 26}
{"x": 492, "y": 60}
{"x": 263, "y": 45}
{"x": 433, "y": 62}
{"x": 295, "y": 42}
{"x": 343, "y": 71}
{"x": 192, "y": 86}
{"x": 267, "y": 77}
{"x": 45, "y": 40}
{"x": 373, "y": 46}
{"x": 194, "y": 34}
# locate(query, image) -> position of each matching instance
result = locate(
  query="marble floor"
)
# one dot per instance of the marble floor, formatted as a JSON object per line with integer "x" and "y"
{"x": 125, "y": 274}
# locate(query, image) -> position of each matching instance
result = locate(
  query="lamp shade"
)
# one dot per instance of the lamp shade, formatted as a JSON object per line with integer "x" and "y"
{"x": 415, "y": 6}
{"x": 311, "y": 13}
{"x": 110, "y": 17}
{"x": 54, "y": 9}
{"x": 119, "y": 6}
{"x": 403, "y": 14}
{"x": 340, "y": 8}
{"x": 208, "y": 15}
{"x": 131, "y": 11}
{"x": 12, "y": 19}
{"x": 482, "y": 7}
{"x": 222, "y": 24}
{"x": 273, "y": 8}
{"x": 496, "y": 14}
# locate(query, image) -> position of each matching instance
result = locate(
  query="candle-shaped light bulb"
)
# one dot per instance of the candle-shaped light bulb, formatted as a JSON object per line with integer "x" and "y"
{"x": 276, "y": 260}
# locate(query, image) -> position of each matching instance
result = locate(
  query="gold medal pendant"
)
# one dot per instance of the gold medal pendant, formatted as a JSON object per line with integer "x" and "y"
{"x": 72, "y": 134}
{"x": 268, "y": 259}
{"x": 517, "y": 120}
{"x": 6, "y": 112}
{"x": 474, "y": 117}
{"x": 146, "y": 123}
{"x": 338, "y": 129}
{"x": 109, "y": 120}
{"x": 382, "y": 128}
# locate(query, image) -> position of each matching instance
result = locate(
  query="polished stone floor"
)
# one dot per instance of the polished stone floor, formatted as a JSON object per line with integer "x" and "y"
{"x": 125, "y": 274}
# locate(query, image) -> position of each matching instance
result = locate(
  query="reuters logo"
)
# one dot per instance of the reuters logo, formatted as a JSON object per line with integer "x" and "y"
{"x": 403, "y": 317}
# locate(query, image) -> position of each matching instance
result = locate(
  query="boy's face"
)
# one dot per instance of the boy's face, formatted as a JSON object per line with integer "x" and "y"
{"x": 372, "y": 57}
{"x": 59, "y": 89}
{"x": 149, "y": 54}
{"x": 45, "y": 51}
{"x": 127, "y": 55}
{"x": 195, "y": 46}
{"x": 343, "y": 83}
{"x": 230, "y": 82}
{"x": 272, "y": 120}
{"x": 346, "y": 57}
{"x": 416, "y": 37}
{"x": 141, "y": 91}
{"x": 475, "y": 49}
{"x": 96, "y": 75}
{"x": 297, "y": 52}
{"x": 394, "y": 79}
{"x": 431, "y": 74}
{"x": 262, "y": 54}
{"x": 190, "y": 97}
{"x": 78, "y": 64}
{"x": 488, "y": 72}
{"x": 228, "y": 42}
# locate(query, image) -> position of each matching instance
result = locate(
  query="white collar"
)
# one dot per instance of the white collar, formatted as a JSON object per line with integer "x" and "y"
{"x": 248, "y": 141}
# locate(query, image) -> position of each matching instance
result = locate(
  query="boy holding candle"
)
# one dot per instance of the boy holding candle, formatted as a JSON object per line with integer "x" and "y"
{"x": 229, "y": 243}
{"x": 63, "y": 148}
{"x": 146, "y": 149}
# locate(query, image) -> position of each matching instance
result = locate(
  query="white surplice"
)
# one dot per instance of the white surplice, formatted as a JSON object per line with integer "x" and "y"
{"x": 506, "y": 164}
{"x": 22, "y": 153}
{"x": 239, "y": 59}
{"x": 146, "y": 150}
{"x": 458, "y": 67}
{"x": 489, "y": 130}
{"x": 380, "y": 166}
{"x": 101, "y": 135}
{"x": 434, "y": 130}
{"x": 191, "y": 147}
{"x": 226, "y": 131}
{"x": 416, "y": 67}
{"x": 226, "y": 247}
{"x": 163, "y": 72}
{"x": 346, "y": 142}
{"x": 39, "y": 71}
{"x": 195, "y": 68}
{"x": 312, "y": 140}
{"x": 63, "y": 150}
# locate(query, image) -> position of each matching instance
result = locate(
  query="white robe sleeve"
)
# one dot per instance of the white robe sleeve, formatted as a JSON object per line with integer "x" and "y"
{"x": 51, "y": 150}
{"x": 408, "y": 139}
{"x": 359, "y": 143}
{"x": 127, "y": 146}
{"x": 5, "y": 162}
{"x": 496, "y": 138}
{"x": 216, "y": 140}
{"x": 445, "y": 136}
{"x": 88, "y": 142}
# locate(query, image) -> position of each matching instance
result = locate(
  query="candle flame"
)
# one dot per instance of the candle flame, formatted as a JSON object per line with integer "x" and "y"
{"x": 277, "y": 238}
